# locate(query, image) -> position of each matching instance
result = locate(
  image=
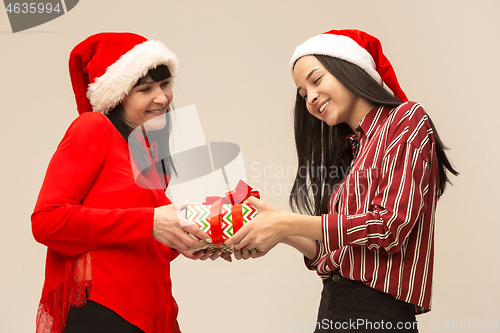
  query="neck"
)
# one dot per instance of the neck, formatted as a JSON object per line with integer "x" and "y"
{"x": 361, "y": 109}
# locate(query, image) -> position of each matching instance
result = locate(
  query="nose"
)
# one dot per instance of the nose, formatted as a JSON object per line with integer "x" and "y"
{"x": 312, "y": 97}
{"x": 160, "y": 97}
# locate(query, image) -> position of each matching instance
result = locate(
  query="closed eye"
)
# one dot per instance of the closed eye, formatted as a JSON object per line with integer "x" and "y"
{"x": 145, "y": 89}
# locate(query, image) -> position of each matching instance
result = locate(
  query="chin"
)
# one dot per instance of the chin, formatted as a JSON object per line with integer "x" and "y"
{"x": 330, "y": 122}
{"x": 155, "y": 123}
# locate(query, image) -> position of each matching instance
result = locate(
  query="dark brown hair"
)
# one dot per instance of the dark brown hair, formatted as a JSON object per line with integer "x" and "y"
{"x": 324, "y": 155}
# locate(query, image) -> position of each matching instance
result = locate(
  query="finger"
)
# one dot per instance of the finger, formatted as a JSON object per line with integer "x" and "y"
{"x": 193, "y": 255}
{"x": 186, "y": 254}
{"x": 238, "y": 237}
{"x": 200, "y": 254}
{"x": 183, "y": 204}
{"x": 238, "y": 254}
{"x": 226, "y": 256}
{"x": 216, "y": 254}
{"x": 257, "y": 254}
{"x": 188, "y": 242}
{"x": 194, "y": 230}
{"x": 248, "y": 243}
{"x": 174, "y": 242}
{"x": 254, "y": 202}
{"x": 245, "y": 254}
{"x": 206, "y": 254}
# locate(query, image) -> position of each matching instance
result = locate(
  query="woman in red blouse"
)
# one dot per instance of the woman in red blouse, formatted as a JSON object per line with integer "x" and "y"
{"x": 371, "y": 169}
{"x": 110, "y": 241}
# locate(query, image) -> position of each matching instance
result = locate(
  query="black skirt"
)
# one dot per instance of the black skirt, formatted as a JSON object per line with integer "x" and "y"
{"x": 93, "y": 317}
{"x": 351, "y": 306}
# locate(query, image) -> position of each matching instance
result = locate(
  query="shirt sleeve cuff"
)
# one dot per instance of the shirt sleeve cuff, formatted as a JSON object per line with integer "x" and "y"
{"x": 312, "y": 263}
{"x": 333, "y": 233}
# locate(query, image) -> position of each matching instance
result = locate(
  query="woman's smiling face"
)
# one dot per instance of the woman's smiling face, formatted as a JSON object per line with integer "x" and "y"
{"x": 326, "y": 97}
{"x": 146, "y": 101}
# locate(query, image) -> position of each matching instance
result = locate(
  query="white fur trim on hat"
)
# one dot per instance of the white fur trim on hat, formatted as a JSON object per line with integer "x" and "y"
{"x": 337, "y": 46}
{"x": 109, "y": 89}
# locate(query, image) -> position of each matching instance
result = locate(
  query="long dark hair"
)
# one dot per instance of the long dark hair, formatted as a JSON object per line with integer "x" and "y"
{"x": 117, "y": 117}
{"x": 324, "y": 155}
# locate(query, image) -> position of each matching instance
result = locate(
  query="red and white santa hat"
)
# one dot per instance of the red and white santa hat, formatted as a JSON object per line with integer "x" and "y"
{"x": 356, "y": 47}
{"x": 105, "y": 67}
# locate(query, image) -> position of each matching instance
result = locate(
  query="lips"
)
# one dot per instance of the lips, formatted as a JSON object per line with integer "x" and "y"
{"x": 157, "y": 111}
{"x": 324, "y": 106}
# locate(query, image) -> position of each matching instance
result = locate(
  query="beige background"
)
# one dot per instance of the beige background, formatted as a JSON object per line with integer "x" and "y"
{"x": 234, "y": 66}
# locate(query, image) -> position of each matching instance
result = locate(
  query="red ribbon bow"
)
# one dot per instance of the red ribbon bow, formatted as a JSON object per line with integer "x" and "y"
{"x": 242, "y": 192}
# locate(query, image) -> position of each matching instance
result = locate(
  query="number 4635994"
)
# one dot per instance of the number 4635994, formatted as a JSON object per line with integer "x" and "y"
{"x": 32, "y": 8}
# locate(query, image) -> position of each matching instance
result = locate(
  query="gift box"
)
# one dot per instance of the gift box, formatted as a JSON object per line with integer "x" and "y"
{"x": 232, "y": 218}
{"x": 222, "y": 217}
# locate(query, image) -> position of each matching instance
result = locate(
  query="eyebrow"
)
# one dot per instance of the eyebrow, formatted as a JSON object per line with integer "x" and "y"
{"x": 148, "y": 81}
{"x": 308, "y": 77}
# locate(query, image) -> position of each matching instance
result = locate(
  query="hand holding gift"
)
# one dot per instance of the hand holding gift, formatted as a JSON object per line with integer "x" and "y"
{"x": 263, "y": 234}
{"x": 222, "y": 217}
{"x": 272, "y": 226}
{"x": 171, "y": 229}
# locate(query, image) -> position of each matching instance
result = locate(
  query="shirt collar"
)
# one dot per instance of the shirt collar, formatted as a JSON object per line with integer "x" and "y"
{"x": 373, "y": 119}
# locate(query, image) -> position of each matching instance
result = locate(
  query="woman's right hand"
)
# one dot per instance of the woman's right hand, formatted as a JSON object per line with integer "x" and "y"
{"x": 253, "y": 253}
{"x": 171, "y": 229}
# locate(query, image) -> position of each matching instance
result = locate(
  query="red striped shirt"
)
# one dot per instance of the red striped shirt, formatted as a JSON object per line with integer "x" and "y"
{"x": 380, "y": 226}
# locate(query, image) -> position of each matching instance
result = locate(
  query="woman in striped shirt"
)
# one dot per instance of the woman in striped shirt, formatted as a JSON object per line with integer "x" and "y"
{"x": 371, "y": 169}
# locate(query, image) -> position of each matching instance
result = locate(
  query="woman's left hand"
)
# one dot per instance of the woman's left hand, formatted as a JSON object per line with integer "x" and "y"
{"x": 254, "y": 253}
{"x": 264, "y": 232}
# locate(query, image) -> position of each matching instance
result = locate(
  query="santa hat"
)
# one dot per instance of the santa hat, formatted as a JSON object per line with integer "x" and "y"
{"x": 104, "y": 67}
{"x": 356, "y": 47}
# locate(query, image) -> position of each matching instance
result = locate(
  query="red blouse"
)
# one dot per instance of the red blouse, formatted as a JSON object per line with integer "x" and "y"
{"x": 97, "y": 224}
